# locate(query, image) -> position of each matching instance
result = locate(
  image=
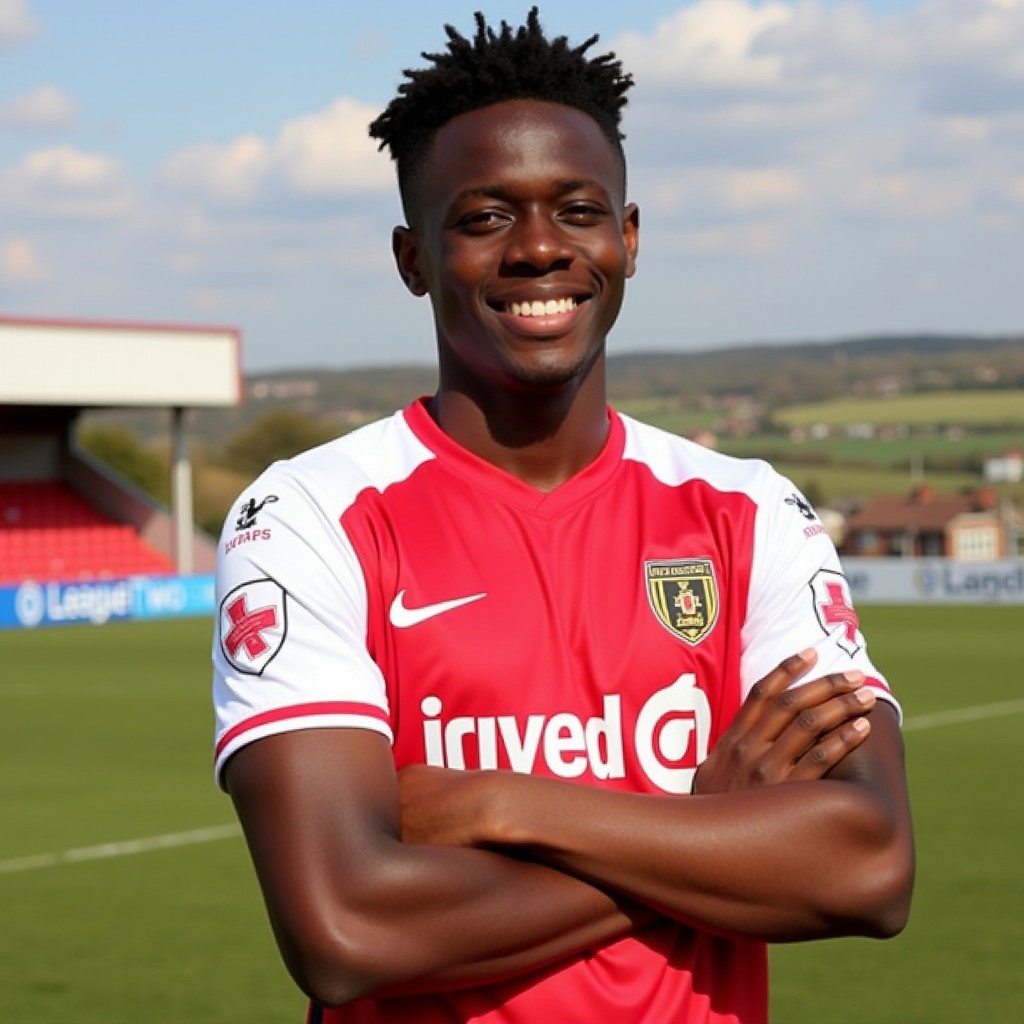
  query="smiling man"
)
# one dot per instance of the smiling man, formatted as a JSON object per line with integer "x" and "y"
{"x": 510, "y": 688}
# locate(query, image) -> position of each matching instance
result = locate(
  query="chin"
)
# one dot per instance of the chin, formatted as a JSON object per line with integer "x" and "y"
{"x": 551, "y": 374}
{"x": 554, "y": 367}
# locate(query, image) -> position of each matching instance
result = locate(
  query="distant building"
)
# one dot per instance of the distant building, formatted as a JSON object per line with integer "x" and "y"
{"x": 705, "y": 438}
{"x": 834, "y": 522}
{"x": 1008, "y": 469}
{"x": 923, "y": 523}
{"x": 860, "y": 431}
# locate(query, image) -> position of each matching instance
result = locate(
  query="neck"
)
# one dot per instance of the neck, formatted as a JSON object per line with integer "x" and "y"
{"x": 543, "y": 437}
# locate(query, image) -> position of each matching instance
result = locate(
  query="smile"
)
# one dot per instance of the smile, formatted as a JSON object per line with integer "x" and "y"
{"x": 552, "y": 307}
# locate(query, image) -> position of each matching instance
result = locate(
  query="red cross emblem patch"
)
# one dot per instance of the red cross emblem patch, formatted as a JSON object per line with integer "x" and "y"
{"x": 253, "y": 625}
{"x": 834, "y": 607}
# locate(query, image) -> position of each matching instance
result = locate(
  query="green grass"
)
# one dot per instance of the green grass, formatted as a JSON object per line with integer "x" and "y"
{"x": 959, "y": 408}
{"x": 659, "y": 413}
{"x": 105, "y": 736}
{"x": 959, "y": 958}
{"x": 836, "y": 482}
{"x": 842, "y": 467}
{"x": 897, "y": 451}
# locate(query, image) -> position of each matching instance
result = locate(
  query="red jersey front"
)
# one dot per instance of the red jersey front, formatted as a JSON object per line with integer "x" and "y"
{"x": 605, "y": 633}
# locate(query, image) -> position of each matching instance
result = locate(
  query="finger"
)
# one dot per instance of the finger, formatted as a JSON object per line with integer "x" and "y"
{"x": 769, "y": 686}
{"x": 784, "y": 674}
{"x": 808, "y": 695}
{"x": 799, "y": 702}
{"x": 816, "y": 721}
{"x": 833, "y": 747}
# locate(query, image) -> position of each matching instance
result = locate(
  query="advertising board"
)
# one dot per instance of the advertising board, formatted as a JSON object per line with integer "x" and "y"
{"x": 54, "y": 603}
{"x": 934, "y": 581}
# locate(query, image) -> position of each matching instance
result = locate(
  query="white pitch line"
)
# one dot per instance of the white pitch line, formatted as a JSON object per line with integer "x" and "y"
{"x": 954, "y": 716}
{"x": 957, "y": 715}
{"x": 122, "y": 849}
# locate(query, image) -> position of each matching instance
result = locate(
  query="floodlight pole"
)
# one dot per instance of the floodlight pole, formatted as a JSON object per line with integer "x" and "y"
{"x": 181, "y": 495}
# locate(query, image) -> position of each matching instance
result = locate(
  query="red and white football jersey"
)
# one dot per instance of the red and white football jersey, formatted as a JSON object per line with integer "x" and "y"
{"x": 605, "y": 633}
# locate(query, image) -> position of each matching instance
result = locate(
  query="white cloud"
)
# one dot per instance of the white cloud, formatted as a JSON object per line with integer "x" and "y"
{"x": 331, "y": 153}
{"x": 16, "y": 22}
{"x": 20, "y": 264}
{"x": 66, "y": 184}
{"x": 182, "y": 264}
{"x": 711, "y": 43}
{"x": 765, "y": 187}
{"x": 966, "y": 57}
{"x": 326, "y": 154}
{"x": 233, "y": 174}
{"x": 753, "y": 239}
{"x": 46, "y": 108}
{"x": 911, "y": 195}
{"x": 721, "y": 195}
{"x": 827, "y": 110}
{"x": 966, "y": 130}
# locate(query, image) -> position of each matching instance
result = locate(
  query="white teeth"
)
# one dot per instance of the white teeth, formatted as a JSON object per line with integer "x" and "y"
{"x": 537, "y": 308}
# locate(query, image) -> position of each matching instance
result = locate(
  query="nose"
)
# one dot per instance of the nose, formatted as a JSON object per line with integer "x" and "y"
{"x": 537, "y": 243}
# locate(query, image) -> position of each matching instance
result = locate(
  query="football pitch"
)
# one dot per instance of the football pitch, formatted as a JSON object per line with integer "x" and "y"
{"x": 126, "y": 892}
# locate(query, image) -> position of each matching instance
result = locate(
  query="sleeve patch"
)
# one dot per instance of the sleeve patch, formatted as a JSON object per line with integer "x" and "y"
{"x": 834, "y": 607}
{"x": 253, "y": 624}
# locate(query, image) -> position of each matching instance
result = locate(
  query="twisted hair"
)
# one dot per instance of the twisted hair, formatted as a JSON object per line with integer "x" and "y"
{"x": 492, "y": 67}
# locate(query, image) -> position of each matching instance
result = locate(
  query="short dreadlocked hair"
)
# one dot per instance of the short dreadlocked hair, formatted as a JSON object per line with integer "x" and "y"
{"x": 492, "y": 67}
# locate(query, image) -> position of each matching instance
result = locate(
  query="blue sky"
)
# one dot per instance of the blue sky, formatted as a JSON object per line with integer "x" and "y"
{"x": 804, "y": 169}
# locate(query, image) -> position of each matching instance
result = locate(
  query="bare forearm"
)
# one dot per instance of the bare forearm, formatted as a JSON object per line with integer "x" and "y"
{"x": 791, "y": 861}
{"x": 440, "y": 918}
{"x": 357, "y": 910}
{"x": 775, "y": 852}
{"x": 799, "y": 861}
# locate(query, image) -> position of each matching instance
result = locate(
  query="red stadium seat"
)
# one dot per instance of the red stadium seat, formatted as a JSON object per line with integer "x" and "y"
{"x": 47, "y": 531}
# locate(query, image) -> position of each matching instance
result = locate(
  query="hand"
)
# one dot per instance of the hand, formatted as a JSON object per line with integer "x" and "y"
{"x": 786, "y": 733}
{"x": 439, "y": 805}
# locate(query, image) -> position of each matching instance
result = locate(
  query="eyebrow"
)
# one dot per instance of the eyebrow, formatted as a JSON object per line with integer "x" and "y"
{"x": 496, "y": 191}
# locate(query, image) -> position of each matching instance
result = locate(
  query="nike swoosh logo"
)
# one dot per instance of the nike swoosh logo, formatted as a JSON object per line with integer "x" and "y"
{"x": 403, "y": 617}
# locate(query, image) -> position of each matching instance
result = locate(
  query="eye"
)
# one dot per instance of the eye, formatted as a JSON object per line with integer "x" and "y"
{"x": 481, "y": 222}
{"x": 582, "y": 213}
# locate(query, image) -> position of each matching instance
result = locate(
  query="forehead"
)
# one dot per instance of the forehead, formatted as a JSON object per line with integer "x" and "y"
{"x": 518, "y": 144}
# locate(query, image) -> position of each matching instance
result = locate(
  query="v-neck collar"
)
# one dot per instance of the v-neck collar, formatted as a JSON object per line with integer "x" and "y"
{"x": 508, "y": 488}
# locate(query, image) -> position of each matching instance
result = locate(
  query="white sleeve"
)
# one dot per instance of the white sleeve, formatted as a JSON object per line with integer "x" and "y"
{"x": 289, "y": 648}
{"x": 798, "y": 596}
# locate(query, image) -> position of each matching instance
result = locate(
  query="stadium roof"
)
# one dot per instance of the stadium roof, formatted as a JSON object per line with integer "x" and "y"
{"x": 94, "y": 363}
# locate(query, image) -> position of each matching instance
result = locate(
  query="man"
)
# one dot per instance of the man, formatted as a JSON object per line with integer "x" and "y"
{"x": 509, "y": 576}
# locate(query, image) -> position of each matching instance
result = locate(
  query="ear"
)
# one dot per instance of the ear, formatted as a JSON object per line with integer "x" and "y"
{"x": 631, "y": 236}
{"x": 406, "y": 249}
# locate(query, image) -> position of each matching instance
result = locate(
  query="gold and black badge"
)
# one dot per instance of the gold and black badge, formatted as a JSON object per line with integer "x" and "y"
{"x": 683, "y": 594}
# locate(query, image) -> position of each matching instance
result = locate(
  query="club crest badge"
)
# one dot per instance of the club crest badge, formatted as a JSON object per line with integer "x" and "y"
{"x": 683, "y": 594}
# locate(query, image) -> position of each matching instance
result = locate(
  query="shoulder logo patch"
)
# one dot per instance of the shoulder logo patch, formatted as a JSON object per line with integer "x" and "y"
{"x": 683, "y": 594}
{"x": 253, "y": 625}
{"x": 834, "y": 608}
{"x": 249, "y": 510}
{"x": 802, "y": 505}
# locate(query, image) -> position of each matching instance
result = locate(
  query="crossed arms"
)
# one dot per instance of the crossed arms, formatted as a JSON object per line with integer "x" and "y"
{"x": 397, "y": 883}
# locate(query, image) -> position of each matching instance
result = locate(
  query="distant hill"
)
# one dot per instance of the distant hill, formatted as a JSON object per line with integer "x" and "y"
{"x": 769, "y": 376}
{"x": 783, "y": 374}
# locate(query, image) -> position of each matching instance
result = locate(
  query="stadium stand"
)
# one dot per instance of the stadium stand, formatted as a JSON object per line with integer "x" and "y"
{"x": 63, "y": 515}
{"x": 48, "y": 532}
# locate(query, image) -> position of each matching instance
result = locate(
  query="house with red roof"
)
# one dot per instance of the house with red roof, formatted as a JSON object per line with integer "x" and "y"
{"x": 927, "y": 523}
